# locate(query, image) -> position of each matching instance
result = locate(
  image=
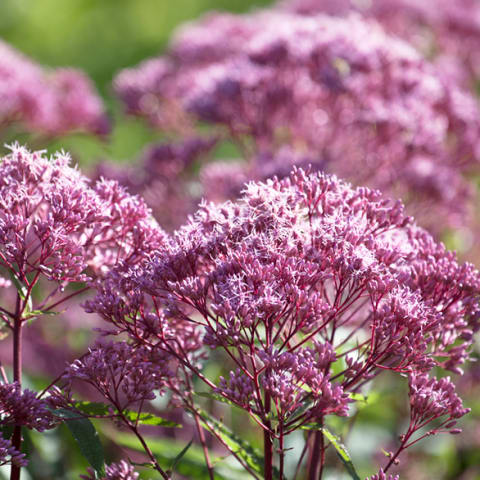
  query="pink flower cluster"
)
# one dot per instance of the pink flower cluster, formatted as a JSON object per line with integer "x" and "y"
{"x": 297, "y": 276}
{"x": 50, "y": 102}
{"x": 382, "y": 476}
{"x": 53, "y": 224}
{"x": 10, "y": 455}
{"x": 122, "y": 374}
{"x": 114, "y": 471}
{"x": 338, "y": 87}
{"x": 55, "y": 229}
{"x": 304, "y": 287}
{"x": 19, "y": 407}
{"x": 431, "y": 399}
{"x": 449, "y": 30}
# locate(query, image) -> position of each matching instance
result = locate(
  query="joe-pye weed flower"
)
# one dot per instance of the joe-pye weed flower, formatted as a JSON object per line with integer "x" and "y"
{"x": 56, "y": 229}
{"x": 310, "y": 289}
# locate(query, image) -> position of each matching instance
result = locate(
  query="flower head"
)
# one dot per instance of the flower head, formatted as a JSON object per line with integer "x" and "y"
{"x": 431, "y": 399}
{"x": 115, "y": 471}
{"x": 10, "y": 455}
{"x": 19, "y": 407}
{"x": 296, "y": 276}
{"x": 122, "y": 372}
{"x": 383, "y": 476}
{"x": 51, "y": 102}
{"x": 54, "y": 224}
{"x": 448, "y": 30}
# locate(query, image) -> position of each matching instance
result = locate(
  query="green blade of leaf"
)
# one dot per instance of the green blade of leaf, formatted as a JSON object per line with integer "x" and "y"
{"x": 342, "y": 453}
{"x": 177, "y": 459}
{"x": 38, "y": 313}
{"x": 218, "y": 398}
{"x": 92, "y": 408}
{"x": 87, "y": 438}
{"x": 371, "y": 398}
{"x": 215, "y": 396}
{"x": 150, "y": 419}
{"x": 339, "y": 448}
{"x": 21, "y": 288}
{"x": 240, "y": 447}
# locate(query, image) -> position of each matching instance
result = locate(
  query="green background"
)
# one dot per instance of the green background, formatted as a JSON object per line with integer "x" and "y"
{"x": 100, "y": 36}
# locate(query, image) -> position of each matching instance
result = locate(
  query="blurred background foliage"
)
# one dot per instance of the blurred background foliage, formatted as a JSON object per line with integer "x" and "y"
{"x": 101, "y": 37}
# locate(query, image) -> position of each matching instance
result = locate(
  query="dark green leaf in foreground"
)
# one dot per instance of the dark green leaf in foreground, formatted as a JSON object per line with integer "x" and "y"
{"x": 87, "y": 438}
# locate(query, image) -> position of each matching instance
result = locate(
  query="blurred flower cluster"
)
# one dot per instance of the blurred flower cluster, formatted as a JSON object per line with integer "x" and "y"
{"x": 47, "y": 102}
{"x": 446, "y": 30}
{"x": 333, "y": 92}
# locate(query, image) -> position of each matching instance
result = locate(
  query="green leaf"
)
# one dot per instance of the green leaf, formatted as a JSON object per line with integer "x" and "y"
{"x": 342, "y": 453}
{"x": 86, "y": 436}
{"x": 339, "y": 447}
{"x": 218, "y": 398}
{"x": 150, "y": 419}
{"x": 22, "y": 290}
{"x": 215, "y": 396}
{"x": 240, "y": 447}
{"x": 101, "y": 409}
{"x": 6, "y": 431}
{"x": 92, "y": 408}
{"x": 38, "y": 313}
{"x": 371, "y": 398}
{"x": 177, "y": 459}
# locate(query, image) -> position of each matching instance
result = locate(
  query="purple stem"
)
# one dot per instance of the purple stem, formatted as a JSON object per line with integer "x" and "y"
{"x": 17, "y": 377}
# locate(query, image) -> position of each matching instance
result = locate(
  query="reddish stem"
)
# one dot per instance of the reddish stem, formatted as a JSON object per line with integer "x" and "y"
{"x": 267, "y": 432}
{"x": 281, "y": 450}
{"x": 17, "y": 377}
{"x": 317, "y": 457}
{"x": 201, "y": 436}
{"x": 134, "y": 429}
{"x": 400, "y": 449}
{"x": 268, "y": 454}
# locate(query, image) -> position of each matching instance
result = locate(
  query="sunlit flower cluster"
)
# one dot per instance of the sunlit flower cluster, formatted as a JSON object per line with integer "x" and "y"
{"x": 297, "y": 276}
